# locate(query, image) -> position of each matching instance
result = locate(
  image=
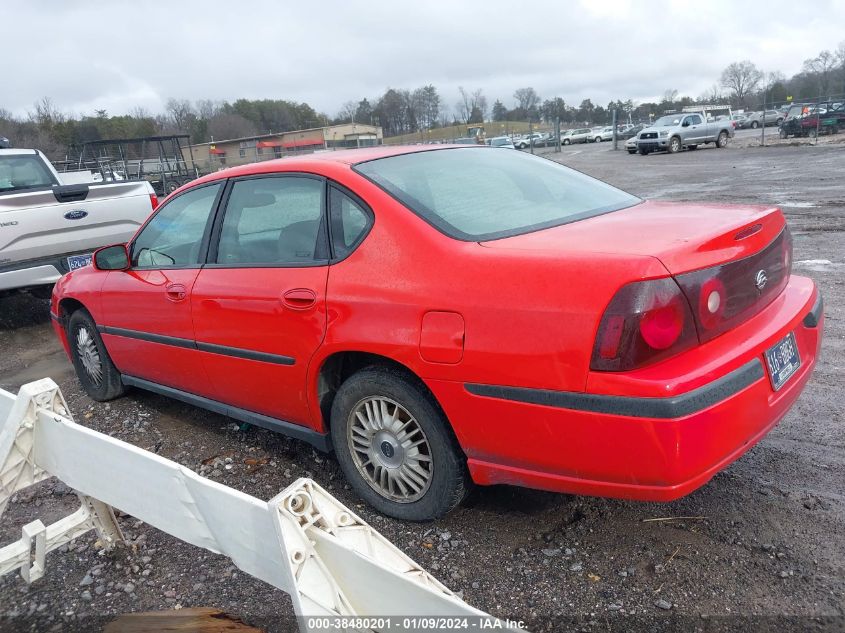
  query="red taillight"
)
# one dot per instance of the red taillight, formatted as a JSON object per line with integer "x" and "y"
{"x": 645, "y": 322}
{"x": 154, "y": 201}
{"x": 726, "y": 295}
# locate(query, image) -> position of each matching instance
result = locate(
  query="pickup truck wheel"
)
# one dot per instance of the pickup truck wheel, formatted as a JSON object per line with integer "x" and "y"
{"x": 95, "y": 370}
{"x": 754, "y": 125}
{"x": 394, "y": 446}
{"x": 674, "y": 145}
{"x": 722, "y": 140}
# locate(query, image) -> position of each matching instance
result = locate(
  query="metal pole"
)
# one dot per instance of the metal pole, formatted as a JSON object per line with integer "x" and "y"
{"x": 615, "y": 137}
{"x": 818, "y": 119}
{"x": 763, "y": 127}
{"x": 557, "y": 134}
{"x": 530, "y": 135}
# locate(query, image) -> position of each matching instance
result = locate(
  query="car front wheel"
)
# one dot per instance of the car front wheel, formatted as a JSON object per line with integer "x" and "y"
{"x": 395, "y": 447}
{"x": 754, "y": 124}
{"x": 722, "y": 141}
{"x": 674, "y": 145}
{"x": 95, "y": 370}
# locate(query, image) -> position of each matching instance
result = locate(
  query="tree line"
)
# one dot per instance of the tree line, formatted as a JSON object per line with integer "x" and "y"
{"x": 403, "y": 111}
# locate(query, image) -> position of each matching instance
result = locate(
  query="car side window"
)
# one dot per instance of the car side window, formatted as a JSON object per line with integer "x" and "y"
{"x": 274, "y": 221}
{"x": 695, "y": 119}
{"x": 173, "y": 237}
{"x": 350, "y": 221}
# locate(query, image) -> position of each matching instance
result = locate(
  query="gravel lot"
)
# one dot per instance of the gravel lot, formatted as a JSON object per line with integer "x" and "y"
{"x": 764, "y": 551}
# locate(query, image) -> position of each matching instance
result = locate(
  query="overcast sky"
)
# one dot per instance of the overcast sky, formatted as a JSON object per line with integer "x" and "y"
{"x": 119, "y": 55}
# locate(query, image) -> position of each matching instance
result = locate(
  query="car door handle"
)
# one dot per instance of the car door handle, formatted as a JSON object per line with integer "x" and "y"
{"x": 175, "y": 292}
{"x": 299, "y": 298}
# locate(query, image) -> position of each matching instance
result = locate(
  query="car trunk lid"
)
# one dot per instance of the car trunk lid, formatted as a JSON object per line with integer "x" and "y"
{"x": 683, "y": 236}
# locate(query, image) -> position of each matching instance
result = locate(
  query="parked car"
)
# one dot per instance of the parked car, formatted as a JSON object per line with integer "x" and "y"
{"x": 674, "y": 132}
{"x": 502, "y": 141}
{"x": 48, "y": 228}
{"x": 5, "y": 143}
{"x": 467, "y": 140}
{"x": 268, "y": 292}
{"x": 630, "y": 131}
{"x": 526, "y": 141}
{"x": 597, "y": 135}
{"x": 580, "y": 135}
{"x": 631, "y": 145}
{"x": 769, "y": 117}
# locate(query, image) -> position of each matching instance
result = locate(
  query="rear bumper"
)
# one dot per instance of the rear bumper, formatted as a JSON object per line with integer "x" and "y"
{"x": 35, "y": 272}
{"x": 37, "y": 275}
{"x": 627, "y": 446}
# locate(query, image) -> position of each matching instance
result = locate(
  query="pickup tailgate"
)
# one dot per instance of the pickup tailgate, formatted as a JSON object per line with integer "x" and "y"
{"x": 39, "y": 224}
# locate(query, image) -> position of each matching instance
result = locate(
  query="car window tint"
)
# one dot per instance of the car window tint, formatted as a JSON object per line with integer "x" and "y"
{"x": 349, "y": 222}
{"x": 272, "y": 221}
{"x": 174, "y": 236}
{"x": 480, "y": 194}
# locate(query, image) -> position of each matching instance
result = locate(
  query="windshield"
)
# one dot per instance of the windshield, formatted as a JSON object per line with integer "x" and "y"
{"x": 477, "y": 194}
{"x": 666, "y": 121}
{"x": 24, "y": 172}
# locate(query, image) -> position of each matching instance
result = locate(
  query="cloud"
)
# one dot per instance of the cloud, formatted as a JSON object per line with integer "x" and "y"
{"x": 122, "y": 55}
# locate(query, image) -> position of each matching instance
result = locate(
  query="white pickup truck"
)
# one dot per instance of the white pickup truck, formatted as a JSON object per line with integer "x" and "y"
{"x": 48, "y": 228}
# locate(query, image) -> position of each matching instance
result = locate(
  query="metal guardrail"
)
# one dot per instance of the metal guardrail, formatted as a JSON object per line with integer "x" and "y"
{"x": 302, "y": 541}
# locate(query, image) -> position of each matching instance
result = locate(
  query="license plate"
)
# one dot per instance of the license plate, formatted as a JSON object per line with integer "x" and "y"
{"x": 78, "y": 261}
{"x": 783, "y": 361}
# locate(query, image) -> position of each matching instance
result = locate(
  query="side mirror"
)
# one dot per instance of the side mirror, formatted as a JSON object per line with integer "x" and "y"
{"x": 115, "y": 257}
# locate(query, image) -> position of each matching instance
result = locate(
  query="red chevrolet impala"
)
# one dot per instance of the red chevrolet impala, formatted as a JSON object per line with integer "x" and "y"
{"x": 453, "y": 315}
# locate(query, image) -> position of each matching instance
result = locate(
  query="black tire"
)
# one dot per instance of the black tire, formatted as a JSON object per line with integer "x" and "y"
{"x": 598, "y": 139}
{"x": 644, "y": 152}
{"x": 783, "y": 133}
{"x": 722, "y": 140}
{"x": 632, "y": 151}
{"x": 448, "y": 481}
{"x": 692, "y": 147}
{"x": 109, "y": 385}
{"x": 754, "y": 125}
{"x": 812, "y": 133}
{"x": 674, "y": 145}
{"x": 566, "y": 141}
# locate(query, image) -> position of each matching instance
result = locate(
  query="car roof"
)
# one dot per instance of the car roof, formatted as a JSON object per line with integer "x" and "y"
{"x": 317, "y": 161}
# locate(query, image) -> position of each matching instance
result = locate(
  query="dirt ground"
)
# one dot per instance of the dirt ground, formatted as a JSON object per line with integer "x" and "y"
{"x": 765, "y": 549}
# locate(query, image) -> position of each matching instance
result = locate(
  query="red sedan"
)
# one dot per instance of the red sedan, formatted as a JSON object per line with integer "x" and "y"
{"x": 445, "y": 316}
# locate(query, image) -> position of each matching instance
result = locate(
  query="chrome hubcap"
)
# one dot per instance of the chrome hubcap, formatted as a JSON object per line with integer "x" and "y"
{"x": 390, "y": 449}
{"x": 88, "y": 354}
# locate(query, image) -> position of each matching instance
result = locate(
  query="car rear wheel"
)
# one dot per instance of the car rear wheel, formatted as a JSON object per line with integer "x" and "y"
{"x": 598, "y": 139}
{"x": 783, "y": 134}
{"x": 674, "y": 145}
{"x": 566, "y": 141}
{"x": 722, "y": 140}
{"x": 394, "y": 446}
{"x": 95, "y": 370}
{"x": 812, "y": 132}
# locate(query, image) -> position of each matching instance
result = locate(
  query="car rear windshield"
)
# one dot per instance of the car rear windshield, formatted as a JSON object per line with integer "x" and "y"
{"x": 478, "y": 194}
{"x": 23, "y": 172}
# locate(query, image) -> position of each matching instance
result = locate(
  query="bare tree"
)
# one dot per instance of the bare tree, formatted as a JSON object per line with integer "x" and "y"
{"x": 473, "y": 105}
{"x": 823, "y": 66}
{"x": 741, "y": 78}
{"x": 526, "y": 98}
{"x": 230, "y": 126}
{"x": 347, "y": 111}
{"x": 181, "y": 113}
